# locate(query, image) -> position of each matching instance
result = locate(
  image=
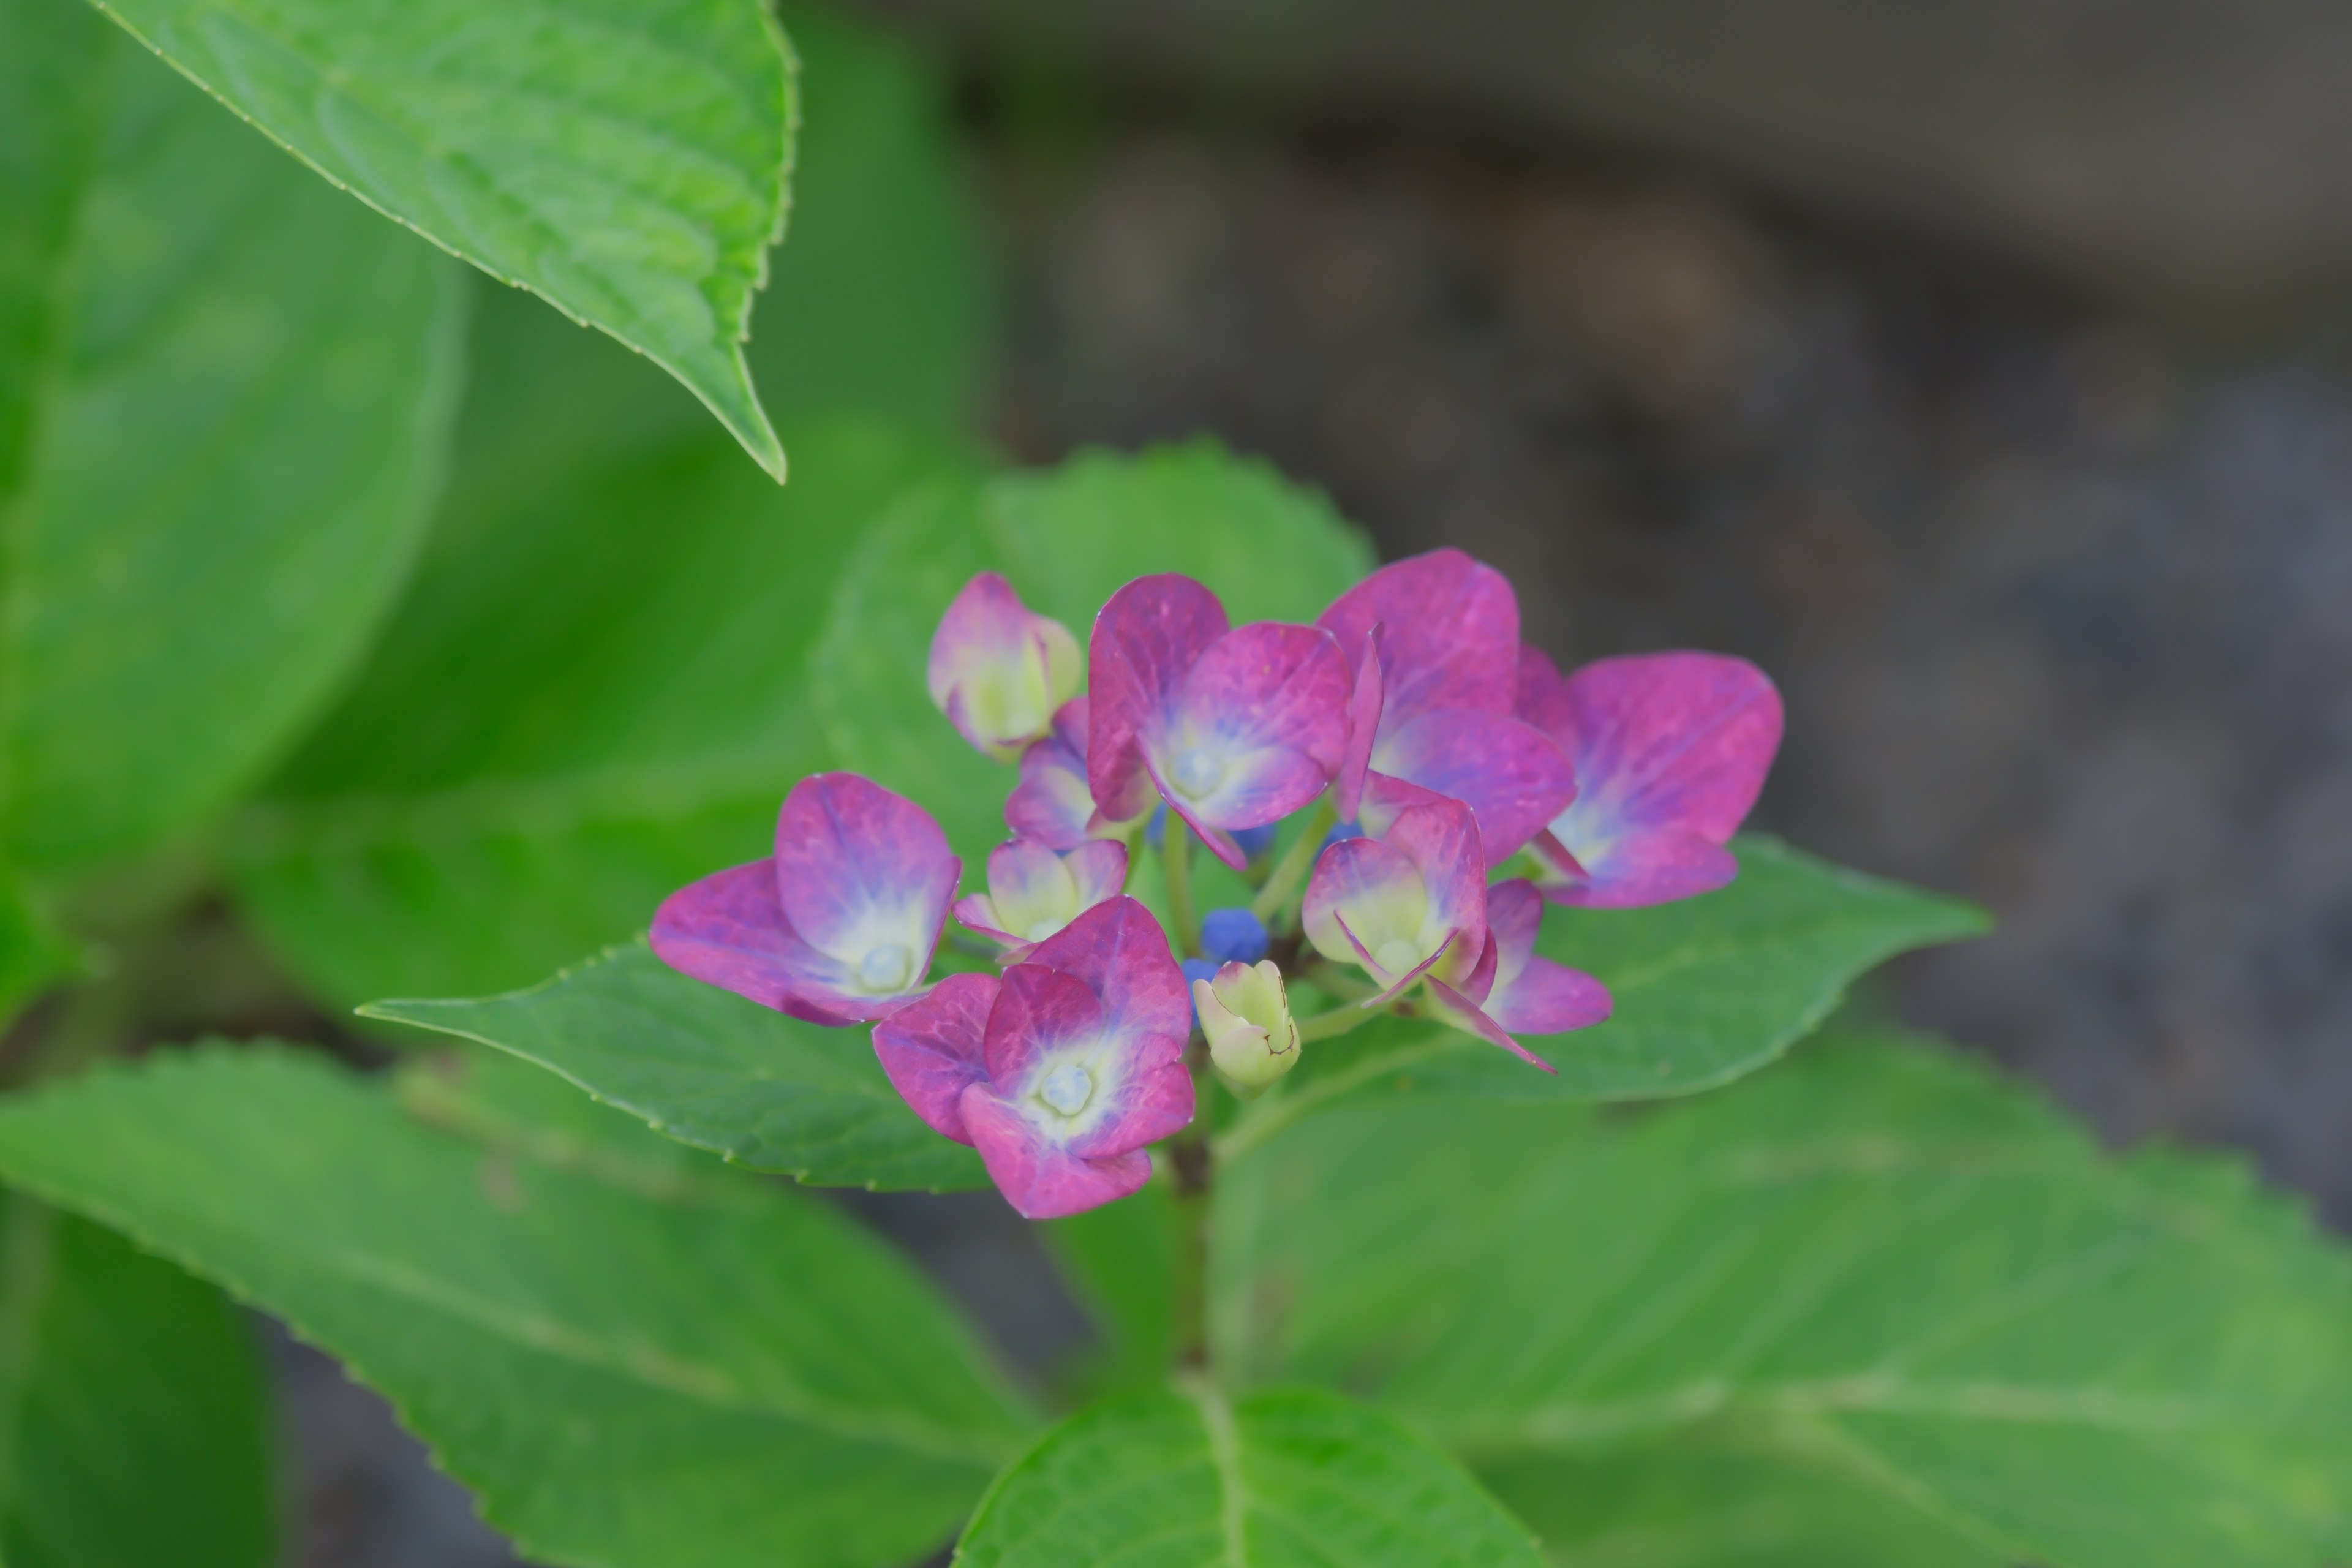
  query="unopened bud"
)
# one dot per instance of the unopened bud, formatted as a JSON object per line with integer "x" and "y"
{"x": 1245, "y": 1014}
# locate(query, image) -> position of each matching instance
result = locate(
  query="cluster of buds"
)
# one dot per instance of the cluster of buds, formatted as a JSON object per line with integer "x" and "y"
{"x": 1448, "y": 782}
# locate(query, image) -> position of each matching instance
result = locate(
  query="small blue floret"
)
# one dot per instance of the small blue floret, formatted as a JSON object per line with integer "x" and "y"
{"x": 1233, "y": 936}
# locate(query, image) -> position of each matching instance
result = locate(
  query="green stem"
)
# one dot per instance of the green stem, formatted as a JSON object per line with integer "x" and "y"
{"x": 1189, "y": 1151}
{"x": 1283, "y": 885}
{"x": 1176, "y": 859}
{"x": 1336, "y": 1022}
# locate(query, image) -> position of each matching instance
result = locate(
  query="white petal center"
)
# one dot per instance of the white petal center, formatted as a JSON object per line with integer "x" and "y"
{"x": 1196, "y": 774}
{"x": 1396, "y": 955}
{"x": 1040, "y": 930}
{"x": 884, "y": 968}
{"x": 1067, "y": 1088}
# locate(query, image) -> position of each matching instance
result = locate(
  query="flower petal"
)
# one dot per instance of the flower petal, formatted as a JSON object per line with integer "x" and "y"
{"x": 1441, "y": 841}
{"x": 1119, "y": 951}
{"x": 977, "y": 912}
{"x": 1052, "y": 804}
{"x": 997, "y": 669}
{"x": 1040, "y": 1179}
{"x": 1451, "y": 633}
{"x": 1364, "y": 724}
{"x": 729, "y": 930}
{"x": 932, "y": 1049}
{"x": 1669, "y": 750}
{"x": 1099, "y": 868}
{"x": 1463, "y": 1013}
{"x": 1362, "y": 894}
{"x": 1031, "y": 888}
{"x": 1039, "y": 1011}
{"x": 1547, "y": 998}
{"x": 863, "y": 875}
{"x": 1258, "y": 729}
{"x": 1146, "y": 639}
{"x": 1514, "y": 777}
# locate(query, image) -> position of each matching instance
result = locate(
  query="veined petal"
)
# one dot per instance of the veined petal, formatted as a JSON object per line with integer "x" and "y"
{"x": 1463, "y": 1013}
{"x": 1052, "y": 804}
{"x": 1098, "y": 869}
{"x": 1669, "y": 750}
{"x": 1451, "y": 633}
{"x": 1528, "y": 994}
{"x": 1119, "y": 951}
{"x": 865, "y": 877}
{"x": 1040, "y": 1012}
{"x": 1514, "y": 778}
{"x": 1250, "y": 785}
{"x": 1441, "y": 841}
{"x": 1092, "y": 1090}
{"x": 977, "y": 912}
{"x": 932, "y": 1050}
{"x": 1366, "y": 904}
{"x": 1031, "y": 888}
{"x": 1146, "y": 639}
{"x": 729, "y": 930}
{"x": 1040, "y": 1179}
{"x": 997, "y": 669}
{"x": 1266, "y": 686}
{"x": 1363, "y": 724}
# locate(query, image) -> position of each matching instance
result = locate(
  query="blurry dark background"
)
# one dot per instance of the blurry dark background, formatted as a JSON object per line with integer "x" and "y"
{"x": 1985, "y": 373}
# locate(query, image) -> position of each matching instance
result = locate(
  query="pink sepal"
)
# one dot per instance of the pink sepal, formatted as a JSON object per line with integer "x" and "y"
{"x": 1147, "y": 637}
{"x": 1512, "y": 777}
{"x": 1038, "y": 1179}
{"x": 1523, "y": 991}
{"x": 932, "y": 1051}
{"x": 997, "y": 669}
{"x": 1460, "y": 1011}
{"x": 1363, "y": 724}
{"x": 1452, "y": 632}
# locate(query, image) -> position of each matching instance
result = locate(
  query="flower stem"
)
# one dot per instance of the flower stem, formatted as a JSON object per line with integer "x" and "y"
{"x": 1176, "y": 859}
{"x": 1283, "y": 885}
{"x": 1189, "y": 1154}
{"x": 1338, "y": 1021}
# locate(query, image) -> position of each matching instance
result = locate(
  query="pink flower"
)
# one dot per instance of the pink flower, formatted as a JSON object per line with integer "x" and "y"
{"x": 1435, "y": 643}
{"x": 998, "y": 670}
{"x": 837, "y": 926}
{"x": 1034, "y": 892}
{"x": 1410, "y": 907}
{"x": 1053, "y": 804}
{"x": 1062, "y": 1073}
{"x": 1233, "y": 728}
{"x": 1519, "y": 992}
{"x": 1670, "y": 749}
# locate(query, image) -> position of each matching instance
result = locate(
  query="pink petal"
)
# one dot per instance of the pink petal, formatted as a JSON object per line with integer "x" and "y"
{"x": 931, "y": 1050}
{"x": 977, "y": 912}
{"x": 1353, "y": 874}
{"x": 1363, "y": 724}
{"x": 1669, "y": 751}
{"x": 1512, "y": 776}
{"x": 1119, "y": 951}
{"x": 1401, "y": 983}
{"x": 1385, "y": 798}
{"x": 1542, "y": 692}
{"x": 1053, "y": 804}
{"x": 1441, "y": 840}
{"x": 1452, "y": 632}
{"x": 1460, "y": 1011}
{"x": 1099, "y": 869}
{"x": 1146, "y": 640}
{"x": 1547, "y": 998}
{"x": 1258, "y": 727}
{"x": 1038, "y": 1178}
{"x": 988, "y": 640}
{"x": 1038, "y": 1010}
{"x": 729, "y": 930}
{"x": 860, "y": 869}
{"x": 1142, "y": 1109}
{"x": 1514, "y": 917}
{"x": 1641, "y": 869}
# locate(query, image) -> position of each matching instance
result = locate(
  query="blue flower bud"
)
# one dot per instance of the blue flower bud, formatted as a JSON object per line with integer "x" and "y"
{"x": 1231, "y": 936}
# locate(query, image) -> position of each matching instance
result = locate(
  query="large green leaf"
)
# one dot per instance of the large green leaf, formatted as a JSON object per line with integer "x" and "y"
{"x": 31, "y": 955}
{"x": 1291, "y": 1478}
{"x": 1707, "y": 990}
{"x": 135, "y": 1426}
{"x": 1067, "y": 539}
{"x": 709, "y": 1068}
{"x": 222, "y": 396}
{"x": 575, "y": 712}
{"x": 625, "y": 160}
{"x": 1877, "y": 1262}
{"x": 705, "y": 1375}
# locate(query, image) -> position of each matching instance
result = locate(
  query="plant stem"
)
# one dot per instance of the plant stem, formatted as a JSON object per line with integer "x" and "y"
{"x": 1176, "y": 859}
{"x": 1282, "y": 884}
{"x": 1189, "y": 1152}
{"x": 1347, "y": 1015}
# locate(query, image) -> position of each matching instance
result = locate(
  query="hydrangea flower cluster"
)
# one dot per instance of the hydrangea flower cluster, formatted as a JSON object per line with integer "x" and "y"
{"x": 1436, "y": 782}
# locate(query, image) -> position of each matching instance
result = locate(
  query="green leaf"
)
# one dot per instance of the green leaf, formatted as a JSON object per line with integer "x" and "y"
{"x": 729, "y": 1376}
{"x": 1707, "y": 990}
{"x": 135, "y": 1426}
{"x": 1290, "y": 1478}
{"x": 1067, "y": 539}
{"x": 212, "y": 465}
{"x": 1677, "y": 1505}
{"x": 575, "y": 712}
{"x": 31, "y": 955}
{"x": 709, "y": 1068}
{"x": 1878, "y": 1263}
{"x": 624, "y": 162}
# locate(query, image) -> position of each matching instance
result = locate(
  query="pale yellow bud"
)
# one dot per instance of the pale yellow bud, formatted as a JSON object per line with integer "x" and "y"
{"x": 1245, "y": 1014}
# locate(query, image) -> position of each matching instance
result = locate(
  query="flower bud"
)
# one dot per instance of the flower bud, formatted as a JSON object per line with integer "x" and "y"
{"x": 1245, "y": 1014}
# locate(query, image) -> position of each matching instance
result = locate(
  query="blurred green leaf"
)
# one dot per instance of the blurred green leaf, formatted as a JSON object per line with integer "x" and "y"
{"x": 718, "y": 1375}
{"x": 222, "y": 398}
{"x": 1067, "y": 538}
{"x": 31, "y": 955}
{"x": 1878, "y": 1263}
{"x": 626, "y": 162}
{"x": 1122, "y": 1262}
{"x": 1706, "y": 989}
{"x": 709, "y": 1068}
{"x": 575, "y": 712}
{"x": 135, "y": 1426}
{"x": 1283, "y": 1480}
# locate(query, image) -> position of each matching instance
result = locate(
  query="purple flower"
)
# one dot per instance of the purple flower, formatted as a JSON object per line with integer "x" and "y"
{"x": 1232, "y": 728}
{"x": 1062, "y": 1072}
{"x": 839, "y": 925}
{"x": 999, "y": 670}
{"x": 1434, "y": 644}
{"x": 1034, "y": 892}
{"x": 1410, "y": 907}
{"x": 1670, "y": 749}
{"x": 1519, "y": 992}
